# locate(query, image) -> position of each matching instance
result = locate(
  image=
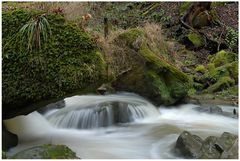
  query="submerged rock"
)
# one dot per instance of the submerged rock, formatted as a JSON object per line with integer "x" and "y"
{"x": 46, "y": 152}
{"x": 193, "y": 147}
{"x": 51, "y": 106}
{"x": 210, "y": 109}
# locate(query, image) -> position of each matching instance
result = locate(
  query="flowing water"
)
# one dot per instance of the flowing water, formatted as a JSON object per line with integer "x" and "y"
{"x": 121, "y": 126}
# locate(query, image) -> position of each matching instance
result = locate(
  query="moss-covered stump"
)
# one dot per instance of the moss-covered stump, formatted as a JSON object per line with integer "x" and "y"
{"x": 152, "y": 74}
{"x": 46, "y": 152}
{"x": 67, "y": 61}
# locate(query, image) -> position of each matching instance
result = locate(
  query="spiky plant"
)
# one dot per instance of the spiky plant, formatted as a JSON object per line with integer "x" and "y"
{"x": 35, "y": 32}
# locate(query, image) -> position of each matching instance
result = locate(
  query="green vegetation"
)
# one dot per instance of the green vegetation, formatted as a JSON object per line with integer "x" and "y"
{"x": 232, "y": 38}
{"x": 232, "y": 91}
{"x": 184, "y": 6}
{"x": 68, "y": 62}
{"x": 51, "y": 57}
{"x": 221, "y": 73}
{"x": 33, "y": 31}
{"x": 222, "y": 83}
{"x": 222, "y": 57}
{"x": 201, "y": 69}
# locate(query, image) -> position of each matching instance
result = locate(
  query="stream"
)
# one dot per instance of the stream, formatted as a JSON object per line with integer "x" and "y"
{"x": 119, "y": 126}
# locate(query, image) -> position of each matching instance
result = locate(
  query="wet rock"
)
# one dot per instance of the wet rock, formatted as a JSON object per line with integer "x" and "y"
{"x": 46, "y": 152}
{"x": 188, "y": 145}
{"x": 56, "y": 105}
{"x": 232, "y": 153}
{"x": 209, "y": 150}
{"x": 9, "y": 139}
{"x": 210, "y": 109}
{"x": 226, "y": 140}
{"x": 105, "y": 89}
{"x": 193, "y": 147}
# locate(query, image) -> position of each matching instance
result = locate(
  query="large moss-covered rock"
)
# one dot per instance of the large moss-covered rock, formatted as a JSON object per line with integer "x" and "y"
{"x": 46, "y": 152}
{"x": 67, "y": 62}
{"x": 152, "y": 74}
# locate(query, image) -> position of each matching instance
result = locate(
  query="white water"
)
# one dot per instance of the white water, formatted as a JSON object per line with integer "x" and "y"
{"x": 153, "y": 135}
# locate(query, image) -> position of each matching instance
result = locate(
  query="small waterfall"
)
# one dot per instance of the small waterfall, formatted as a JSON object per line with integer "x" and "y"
{"x": 85, "y": 112}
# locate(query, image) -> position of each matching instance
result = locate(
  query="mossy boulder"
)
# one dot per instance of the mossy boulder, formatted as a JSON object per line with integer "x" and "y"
{"x": 47, "y": 151}
{"x": 67, "y": 62}
{"x": 152, "y": 75}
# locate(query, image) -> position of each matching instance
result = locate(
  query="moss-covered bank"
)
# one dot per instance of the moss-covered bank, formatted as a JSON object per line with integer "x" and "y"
{"x": 67, "y": 62}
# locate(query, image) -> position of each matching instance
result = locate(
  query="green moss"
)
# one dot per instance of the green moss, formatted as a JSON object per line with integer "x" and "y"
{"x": 229, "y": 69}
{"x": 222, "y": 58}
{"x": 210, "y": 67}
{"x": 130, "y": 36}
{"x": 46, "y": 151}
{"x": 160, "y": 87}
{"x": 68, "y": 62}
{"x": 191, "y": 92}
{"x": 184, "y": 6}
{"x": 222, "y": 83}
{"x": 196, "y": 39}
{"x": 201, "y": 69}
{"x": 233, "y": 69}
{"x": 160, "y": 64}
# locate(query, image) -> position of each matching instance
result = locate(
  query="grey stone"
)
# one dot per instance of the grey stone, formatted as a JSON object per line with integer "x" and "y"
{"x": 209, "y": 150}
{"x": 188, "y": 145}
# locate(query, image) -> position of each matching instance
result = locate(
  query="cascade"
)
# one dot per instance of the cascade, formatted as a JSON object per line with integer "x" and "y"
{"x": 85, "y": 112}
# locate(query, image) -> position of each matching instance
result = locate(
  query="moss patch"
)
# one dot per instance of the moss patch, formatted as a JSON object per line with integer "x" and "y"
{"x": 47, "y": 151}
{"x": 222, "y": 58}
{"x": 201, "y": 69}
{"x": 184, "y": 7}
{"x": 196, "y": 39}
